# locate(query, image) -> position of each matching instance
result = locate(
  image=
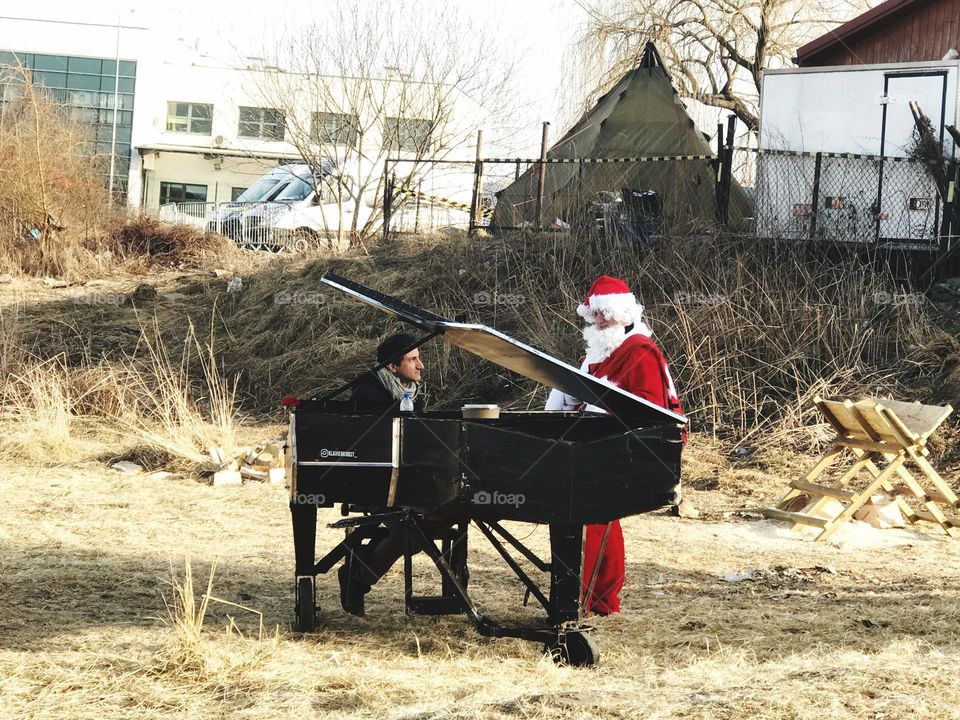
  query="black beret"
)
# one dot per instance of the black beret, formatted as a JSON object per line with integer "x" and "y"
{"x": 392, "y": 349}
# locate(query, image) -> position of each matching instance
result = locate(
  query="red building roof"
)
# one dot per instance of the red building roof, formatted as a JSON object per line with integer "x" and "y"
{"x": 893, "y": 31}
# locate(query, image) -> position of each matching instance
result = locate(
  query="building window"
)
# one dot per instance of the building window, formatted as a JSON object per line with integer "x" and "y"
{"x": 263, "y": 123}
{"x": 171, "y": 192}
{"x": 196, "y": 118}
{"x": 335, "y": 128}
{"x": 409, "y": 134}
{"x": 235, "y": 193}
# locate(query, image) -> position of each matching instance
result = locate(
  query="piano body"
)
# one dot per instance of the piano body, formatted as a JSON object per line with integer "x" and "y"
{"x": 387, "y": 469}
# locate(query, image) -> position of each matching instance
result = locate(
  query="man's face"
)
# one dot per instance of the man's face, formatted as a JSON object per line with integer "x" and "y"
{"x": 603, "y": 322}
{"x": 409, "y": 369}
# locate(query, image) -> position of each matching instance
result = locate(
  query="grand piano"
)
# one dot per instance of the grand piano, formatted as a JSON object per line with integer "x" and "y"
{"x": 388, "y": 469}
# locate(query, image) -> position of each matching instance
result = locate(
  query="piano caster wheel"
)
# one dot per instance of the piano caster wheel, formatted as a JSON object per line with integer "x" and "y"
{"x": 574, "y": 648}
{"x": 305, "y": 610}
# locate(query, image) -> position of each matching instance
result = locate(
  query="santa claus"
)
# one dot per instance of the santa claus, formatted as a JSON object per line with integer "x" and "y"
{"x": 618, "y": 349}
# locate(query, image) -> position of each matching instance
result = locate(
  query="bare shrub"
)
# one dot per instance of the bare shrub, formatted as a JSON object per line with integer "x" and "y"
{"x": 157, "y": 242}
{"x": 52, "y": 194}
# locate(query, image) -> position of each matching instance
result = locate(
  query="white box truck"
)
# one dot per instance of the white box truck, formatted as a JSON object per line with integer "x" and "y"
{"x": 879, "y": 194}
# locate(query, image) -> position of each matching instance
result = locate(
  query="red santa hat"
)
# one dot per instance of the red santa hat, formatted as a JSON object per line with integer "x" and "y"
{"x": 612, "y": 297}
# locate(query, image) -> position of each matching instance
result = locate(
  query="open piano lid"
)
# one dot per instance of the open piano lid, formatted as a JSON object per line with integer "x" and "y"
{"x": 513, "y": 355}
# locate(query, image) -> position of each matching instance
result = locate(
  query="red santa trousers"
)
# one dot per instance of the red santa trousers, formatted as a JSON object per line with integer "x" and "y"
{"x": 605, "y": 598}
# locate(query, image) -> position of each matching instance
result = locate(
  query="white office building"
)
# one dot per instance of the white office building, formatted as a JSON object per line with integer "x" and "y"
{"x": 185, "y": 128}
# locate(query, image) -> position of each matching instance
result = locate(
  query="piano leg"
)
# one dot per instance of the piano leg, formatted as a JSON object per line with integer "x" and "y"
{"x": 304, "y": 517}
{"x": 566, "y": 552}
{"x": 565, "y": 638}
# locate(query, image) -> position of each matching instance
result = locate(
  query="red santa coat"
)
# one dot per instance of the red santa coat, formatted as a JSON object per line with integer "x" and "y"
{"x": 638, "y": 367}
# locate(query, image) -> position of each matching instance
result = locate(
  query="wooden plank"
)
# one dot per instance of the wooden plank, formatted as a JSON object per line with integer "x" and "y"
{"x": 814, "y": 489}
{"x": 793, "y": 517}
{"x": 870, "y": 413}
{"x": 828, "y": 414}
{"x": 920, "y": 420}
{"x": 857, "y": 410}
{"x": 847, "y": 423}
{"x": 930, "y": 517}
{"x": 868, "y": 445}
{"x": 938, "y": 482}
{"x": 825, "y": 462}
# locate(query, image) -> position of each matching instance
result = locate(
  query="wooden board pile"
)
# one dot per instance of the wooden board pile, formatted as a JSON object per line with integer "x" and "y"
{"x": 264, "y": 463}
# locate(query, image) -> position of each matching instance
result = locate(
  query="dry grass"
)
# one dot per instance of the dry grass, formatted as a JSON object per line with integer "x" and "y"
{"x": 86, "y": 633}
{"x": 170, "y": 410}
{"x": 752, "y": 332}
{"x": 51, "y": 192}
{"x": 55, "y": 216}
{"x": 150, "y": 241}
{"x": 147, "y": 398}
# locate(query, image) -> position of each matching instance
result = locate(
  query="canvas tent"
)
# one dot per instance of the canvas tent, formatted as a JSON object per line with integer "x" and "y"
{"x": 641, "y": 116}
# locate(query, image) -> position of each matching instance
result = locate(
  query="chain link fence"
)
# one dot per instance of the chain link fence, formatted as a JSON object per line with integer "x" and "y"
{"x": 423, "y": 196}
{"x": 636, "y": 198}
{"x": 851, "y": 199}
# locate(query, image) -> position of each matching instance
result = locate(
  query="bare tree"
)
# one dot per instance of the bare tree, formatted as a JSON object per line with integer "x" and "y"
{"x": 372, "y": 82}
{"x": 716, "y": 50}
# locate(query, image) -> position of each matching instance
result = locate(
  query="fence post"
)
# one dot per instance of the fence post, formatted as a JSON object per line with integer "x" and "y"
{"x": 817, "y": 165}
{"x": 592, "y": 223}
{"x": 719, "y": 172}
{"x": 542, "y": 175}
{"x": 387, "y": 196}
{"x": 726, "y": 173}
{"x": 477, "y": 184}
{"x": 416, "y": 214}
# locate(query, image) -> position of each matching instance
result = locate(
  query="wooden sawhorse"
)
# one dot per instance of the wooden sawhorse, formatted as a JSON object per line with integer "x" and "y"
{"x": 875, "y": 434}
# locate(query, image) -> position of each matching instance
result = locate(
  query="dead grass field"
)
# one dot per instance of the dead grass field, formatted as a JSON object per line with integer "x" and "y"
{"x": 867, "y": 626}
{"x": 87, "y": 555}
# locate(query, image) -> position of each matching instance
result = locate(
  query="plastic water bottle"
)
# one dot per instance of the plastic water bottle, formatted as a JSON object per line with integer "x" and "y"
{"x": 406, "y": 404}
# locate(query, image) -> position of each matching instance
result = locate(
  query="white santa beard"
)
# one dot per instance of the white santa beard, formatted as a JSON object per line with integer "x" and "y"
{"x": 602, "y": 343}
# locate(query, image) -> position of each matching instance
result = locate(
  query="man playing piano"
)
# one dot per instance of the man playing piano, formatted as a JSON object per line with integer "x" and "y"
{"x": 619, "y": 348}
{"x": 401, "y": 374}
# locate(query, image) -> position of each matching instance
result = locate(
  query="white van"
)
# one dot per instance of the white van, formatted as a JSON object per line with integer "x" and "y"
{"x": 307, "y": 210}
{"x": 226, "y": 220}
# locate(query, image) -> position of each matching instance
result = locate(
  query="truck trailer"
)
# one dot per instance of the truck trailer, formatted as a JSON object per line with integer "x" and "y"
{"x": 838, "y": 159}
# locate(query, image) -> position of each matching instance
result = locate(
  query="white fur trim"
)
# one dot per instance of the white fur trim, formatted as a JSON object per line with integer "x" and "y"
{"x": 621, "y": 307}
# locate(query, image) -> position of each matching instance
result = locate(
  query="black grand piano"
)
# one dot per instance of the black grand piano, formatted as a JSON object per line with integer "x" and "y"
{"x": 388, "y": 469}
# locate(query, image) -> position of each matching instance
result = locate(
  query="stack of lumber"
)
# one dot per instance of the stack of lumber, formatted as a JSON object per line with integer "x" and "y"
{"x": 263, "y": 463}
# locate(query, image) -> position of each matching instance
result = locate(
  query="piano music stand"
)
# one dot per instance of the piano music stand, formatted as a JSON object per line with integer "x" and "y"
{"x": 879, "y": 437}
